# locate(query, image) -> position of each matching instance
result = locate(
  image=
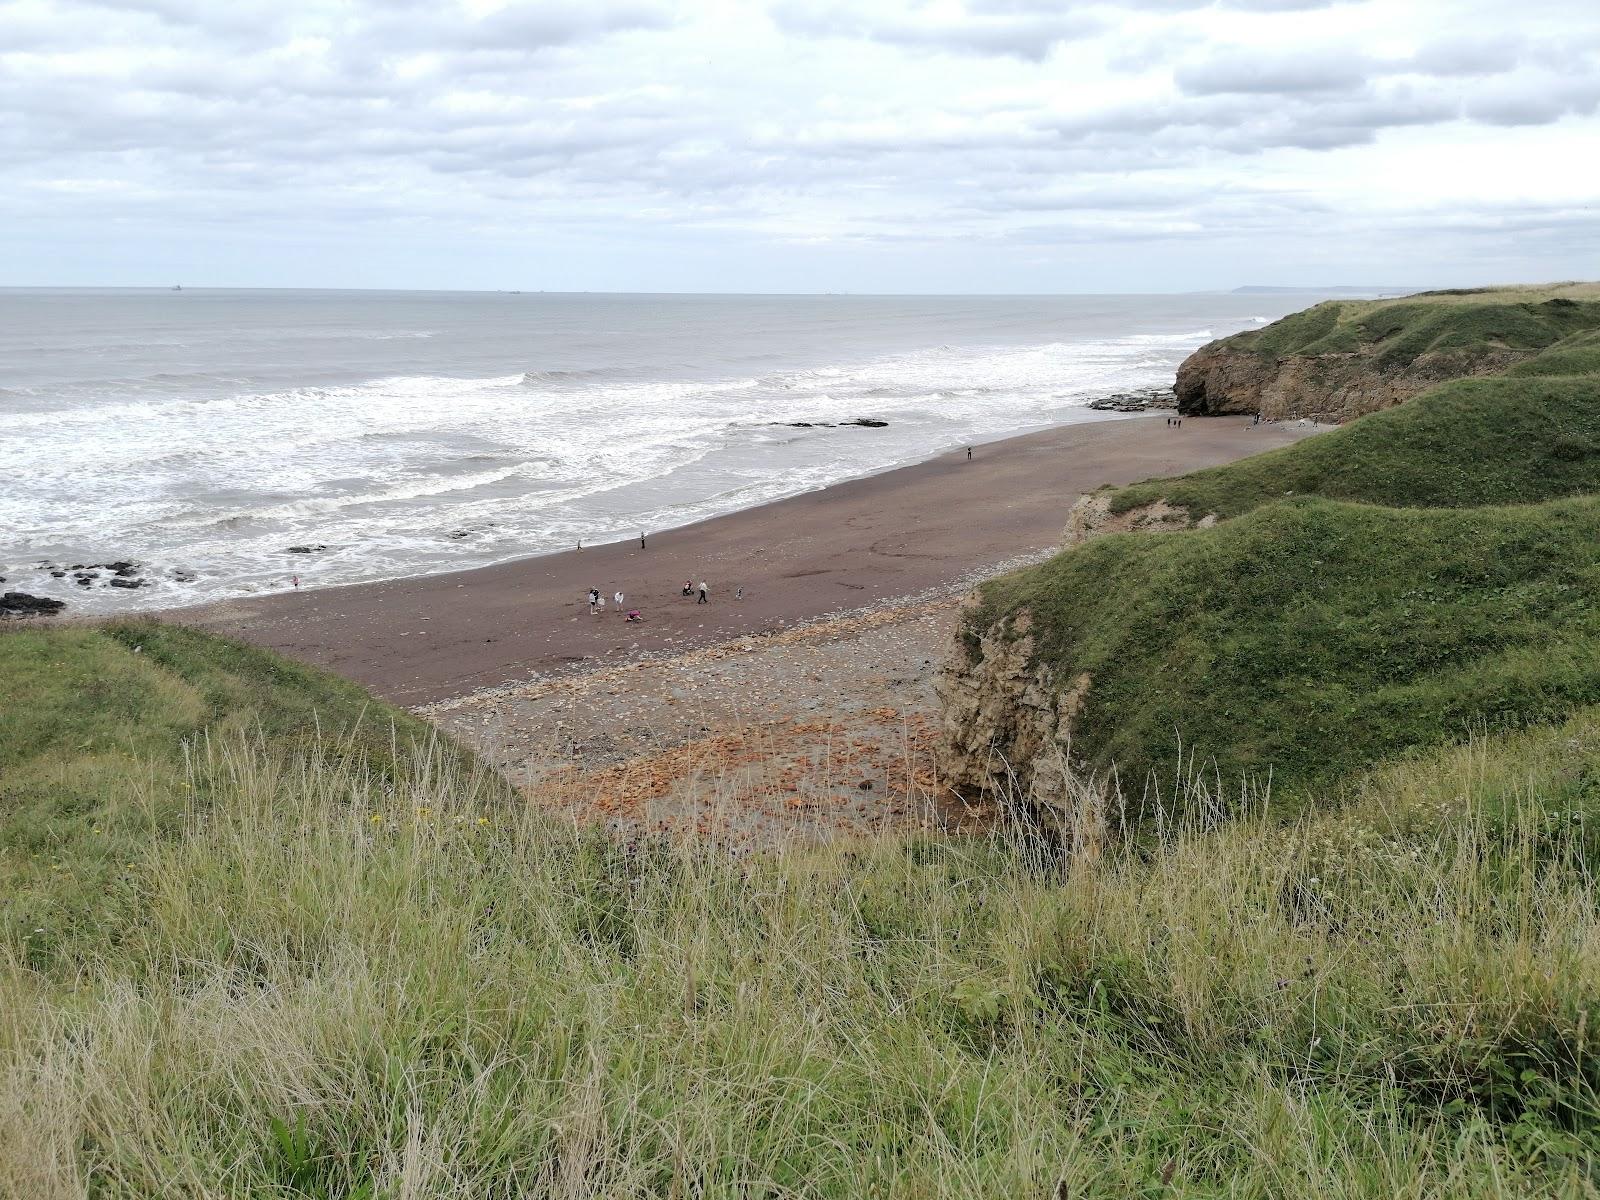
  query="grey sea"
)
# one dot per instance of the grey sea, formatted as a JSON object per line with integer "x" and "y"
{"x": 203, "y": 433}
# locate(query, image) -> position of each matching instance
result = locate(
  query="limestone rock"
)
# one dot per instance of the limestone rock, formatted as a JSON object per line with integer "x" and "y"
{"x": 1222, "y": 377}
{"x": 1005, "y": 725}
{"x": 1091, "y": 517}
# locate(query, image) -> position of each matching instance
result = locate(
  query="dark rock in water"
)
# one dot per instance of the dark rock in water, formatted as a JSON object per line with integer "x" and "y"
{"x": 1135, "y": 401}
{"x": 20, "y": 604}
{"x": 868, "y": 423}
{"x": 183, "y": 576}
{"x": 305, "y": 549}
{"x": 124, "y": 568}
{"x": 58, "y": 574}
{"x": 119, "y": 581}
{"x": 458, "y": 534}
{"x": 85, "y": 578}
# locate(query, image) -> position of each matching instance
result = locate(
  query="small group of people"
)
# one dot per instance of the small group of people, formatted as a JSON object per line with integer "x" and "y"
{"x": 1175, "y": 422}
{"x": 597, "y": 605}
{"x": 597, "y": 602}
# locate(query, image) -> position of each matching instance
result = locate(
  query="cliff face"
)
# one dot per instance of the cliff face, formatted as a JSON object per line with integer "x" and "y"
{"x": 1227, "y": 377}
{"x": 1006, "y": 725}
{"x": 1344, "y": 359}
{"x": 1091, "y": 517}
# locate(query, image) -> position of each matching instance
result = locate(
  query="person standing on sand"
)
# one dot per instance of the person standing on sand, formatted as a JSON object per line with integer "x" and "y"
{"x": 969, "y": 453}
{"x": 641, "y": 539}
{"x": 594, "y": 601}
{"x": 704, "y": 590}
{"x": 618, "y": 598}
{"x": 739, "y": 595}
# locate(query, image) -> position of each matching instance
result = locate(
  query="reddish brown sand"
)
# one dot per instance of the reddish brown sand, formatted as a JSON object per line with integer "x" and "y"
{"x": 423, "y": 640}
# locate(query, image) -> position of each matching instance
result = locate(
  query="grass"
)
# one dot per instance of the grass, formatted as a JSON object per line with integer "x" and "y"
{"x": 327, "y": 985}
{"x": 1398, "y": 332}
{"x": 1310, "y": 638}
{"x": 97, "y": 725}
{"x": 1497, "y": 440}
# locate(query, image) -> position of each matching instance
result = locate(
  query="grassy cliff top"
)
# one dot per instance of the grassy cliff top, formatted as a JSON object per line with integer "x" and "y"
{"x": 1530, "y": 434}
{"x": 1398, "y": 331}
{"x": 1310, "y": 638}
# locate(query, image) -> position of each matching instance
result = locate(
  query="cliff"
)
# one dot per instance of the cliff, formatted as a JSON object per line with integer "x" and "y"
{"x": 1343, "y": 359}
{"x": 1307, "y": 612}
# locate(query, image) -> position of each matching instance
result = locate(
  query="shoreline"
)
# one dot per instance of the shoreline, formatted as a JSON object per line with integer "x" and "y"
{"x": 426, "y": 639}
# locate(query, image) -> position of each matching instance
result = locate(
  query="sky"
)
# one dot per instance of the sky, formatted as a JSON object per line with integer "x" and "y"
{"x": 1010, "y": 146}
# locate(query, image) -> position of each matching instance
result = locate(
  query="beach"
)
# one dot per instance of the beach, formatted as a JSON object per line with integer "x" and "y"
{"x": 862, "y": 543}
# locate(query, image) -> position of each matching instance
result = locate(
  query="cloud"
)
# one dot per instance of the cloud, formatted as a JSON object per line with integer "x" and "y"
{"x": 873, "y": 123}
{"x": 1244, "y": 72}
{"x": 1013, "y": 28}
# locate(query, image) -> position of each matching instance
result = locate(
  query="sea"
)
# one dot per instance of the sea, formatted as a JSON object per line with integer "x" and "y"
{"x": 202, "y": 433}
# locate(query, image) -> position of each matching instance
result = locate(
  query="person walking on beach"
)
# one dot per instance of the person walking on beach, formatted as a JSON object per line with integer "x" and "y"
{"x": 641, "y": 539}
{"x": 618, "y": 598}
{"x": 969, "y": 453}
{"x": 703, "y": 592}
{"x": 594, "y": 601}
{"x": 295, "y": 579}
{"x": 739, "y": 595}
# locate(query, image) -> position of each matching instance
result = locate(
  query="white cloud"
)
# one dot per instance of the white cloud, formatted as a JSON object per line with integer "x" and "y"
{"x": 642, "y": 143}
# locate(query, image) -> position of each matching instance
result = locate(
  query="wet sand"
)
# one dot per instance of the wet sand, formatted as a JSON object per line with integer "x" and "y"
{"x": 857, "y": 544}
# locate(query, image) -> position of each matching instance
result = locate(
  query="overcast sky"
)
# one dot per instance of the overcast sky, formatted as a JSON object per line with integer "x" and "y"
{"x": 799, "y": 145}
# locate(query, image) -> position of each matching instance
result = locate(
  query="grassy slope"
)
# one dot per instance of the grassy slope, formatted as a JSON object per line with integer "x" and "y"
{"x": 1307, "y": 637}
{"x": 333, "y": 988}
{"x": 1472, "y": 441}
{"x": 1397, "y": 332}
{"x": 1531, "y": 434}
{"x": 1310, "y": 637}
{"x": 95, "y": 725}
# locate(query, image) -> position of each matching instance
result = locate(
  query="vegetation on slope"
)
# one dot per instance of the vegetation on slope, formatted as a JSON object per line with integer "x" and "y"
{"x": 1309, "y": 638}
{"x": 1497, "y": 440}
{"x": 1398, "y": 332}
{"x": 96, "y": 727}
{"x": 325, "y": 987}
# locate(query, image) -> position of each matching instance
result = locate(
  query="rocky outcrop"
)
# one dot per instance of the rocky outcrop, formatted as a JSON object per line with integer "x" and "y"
{"x": 1091, "y": 517}
{"x": 1006, "y": 727}
{"x": 20, "y": 604}
{"x": 1228, "y": 376}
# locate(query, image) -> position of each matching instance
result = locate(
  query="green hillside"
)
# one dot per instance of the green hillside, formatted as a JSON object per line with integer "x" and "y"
{"x": 1372, "y": 589}
{"x": 1311, "y": 638}
{"x": 98, "y": 727}
{"x": 1531, "y": 434}
{"x": 1398, "y": 332}
{"x": 324, "y": 983}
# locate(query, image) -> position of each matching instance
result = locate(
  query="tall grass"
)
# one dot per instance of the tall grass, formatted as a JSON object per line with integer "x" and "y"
{"x": 323, "y": 981}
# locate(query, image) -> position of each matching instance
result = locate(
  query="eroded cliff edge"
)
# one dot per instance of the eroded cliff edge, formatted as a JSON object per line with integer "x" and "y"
{"x": 1319, "y": 605}
{"x": 1343, "y": 359}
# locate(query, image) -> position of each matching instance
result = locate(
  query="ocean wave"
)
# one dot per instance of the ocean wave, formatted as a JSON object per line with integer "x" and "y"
{"x": 539, "y": 378}
{"x": 381, "y": 469}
